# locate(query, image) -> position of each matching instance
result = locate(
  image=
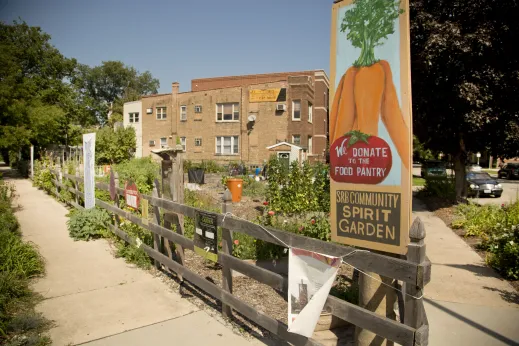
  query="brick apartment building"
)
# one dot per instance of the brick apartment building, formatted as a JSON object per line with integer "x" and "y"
{"x": 236, "y": 118}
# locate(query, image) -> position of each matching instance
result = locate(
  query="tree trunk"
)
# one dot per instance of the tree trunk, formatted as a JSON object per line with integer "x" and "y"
{"x": 460, "y": 160}
{"x": 459, "y": 171}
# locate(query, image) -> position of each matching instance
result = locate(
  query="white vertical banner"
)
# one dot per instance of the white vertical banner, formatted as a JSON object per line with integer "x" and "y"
{"x": 310, "y": 278}
{"x": 89, "y": 150}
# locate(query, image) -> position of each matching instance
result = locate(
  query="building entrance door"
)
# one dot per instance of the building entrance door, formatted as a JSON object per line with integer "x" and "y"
{"x": 284, "y": 159}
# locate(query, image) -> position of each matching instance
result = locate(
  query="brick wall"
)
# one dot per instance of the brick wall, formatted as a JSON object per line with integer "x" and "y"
{"x": 152, "y": 128}
{"x": 270, "y": 127}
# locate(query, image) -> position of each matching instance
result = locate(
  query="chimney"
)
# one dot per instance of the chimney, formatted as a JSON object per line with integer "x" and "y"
{"x": 175, "y": 86}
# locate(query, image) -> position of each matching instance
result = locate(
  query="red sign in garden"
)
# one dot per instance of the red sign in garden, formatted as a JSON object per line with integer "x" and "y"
{"x": 131, "y": 195}
{"x": 360, "y": 159}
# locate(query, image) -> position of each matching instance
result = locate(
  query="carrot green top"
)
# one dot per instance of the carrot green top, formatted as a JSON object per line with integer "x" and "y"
{"x": 367, "y": 24}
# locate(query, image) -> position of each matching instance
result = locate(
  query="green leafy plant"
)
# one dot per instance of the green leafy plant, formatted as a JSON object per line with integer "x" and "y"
{"x": 504, "y": 252}
{"x": 443, "y": 188}
{"x": 88, "y": 224}
{"x": 367, "y": 24}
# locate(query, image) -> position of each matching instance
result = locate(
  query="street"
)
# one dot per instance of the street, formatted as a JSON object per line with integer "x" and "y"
{"x": 510, "y": 193}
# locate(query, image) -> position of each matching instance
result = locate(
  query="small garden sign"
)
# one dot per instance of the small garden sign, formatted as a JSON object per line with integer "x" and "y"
{"x": 206, "y": 236}
{"x": 131, "y": 195}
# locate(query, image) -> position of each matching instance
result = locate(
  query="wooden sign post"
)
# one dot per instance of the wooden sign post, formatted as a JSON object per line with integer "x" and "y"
{"x": 173, "y": 189}
{"x": 371, "y": 137}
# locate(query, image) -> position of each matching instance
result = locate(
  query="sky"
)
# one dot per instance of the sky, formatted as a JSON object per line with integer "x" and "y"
{"x": 180, "y": 40}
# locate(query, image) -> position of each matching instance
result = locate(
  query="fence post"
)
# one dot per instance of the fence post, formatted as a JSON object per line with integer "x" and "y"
{"x": 377, "y": 296}
{"x": 116, "y": 201}
{"x": 76, "y": 185}
{"x": 157, "y": 245}
{"x": 227, "y": 249}
{"x": 59, "y": 178}
{"x": 413, "y": 315}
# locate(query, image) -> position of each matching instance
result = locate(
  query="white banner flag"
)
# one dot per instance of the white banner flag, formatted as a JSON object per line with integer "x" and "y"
{"x": 310, "y": 278}
{"x": 89, "y": 150}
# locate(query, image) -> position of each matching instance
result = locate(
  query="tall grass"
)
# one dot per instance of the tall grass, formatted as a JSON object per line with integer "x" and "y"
{"x": 19, "y": 261}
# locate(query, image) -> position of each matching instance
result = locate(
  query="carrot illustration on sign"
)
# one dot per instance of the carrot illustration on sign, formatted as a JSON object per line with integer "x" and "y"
{"x": 366, "y": 92}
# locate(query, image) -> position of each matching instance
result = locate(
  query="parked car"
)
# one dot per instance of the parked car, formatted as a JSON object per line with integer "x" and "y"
{"x": 482, "y": 184}
{"x": 509, "y": 171}
{"x": 436, "y": 169}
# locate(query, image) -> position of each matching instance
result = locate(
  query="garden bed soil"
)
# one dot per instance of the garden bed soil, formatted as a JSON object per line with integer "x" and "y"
{"x": 262, "y": 297}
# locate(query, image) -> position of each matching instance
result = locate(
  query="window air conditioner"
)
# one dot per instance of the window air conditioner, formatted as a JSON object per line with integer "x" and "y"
{"x": 281, "y": 107}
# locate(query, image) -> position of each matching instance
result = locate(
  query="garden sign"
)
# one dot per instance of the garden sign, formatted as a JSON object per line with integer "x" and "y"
{"x": 131, "y": 195}
{"x": 370, "y": 124}
{"x": 206, "y": 235}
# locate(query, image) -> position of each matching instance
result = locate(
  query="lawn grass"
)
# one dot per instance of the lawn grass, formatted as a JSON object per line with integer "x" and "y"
{"x": 418, "y": 181}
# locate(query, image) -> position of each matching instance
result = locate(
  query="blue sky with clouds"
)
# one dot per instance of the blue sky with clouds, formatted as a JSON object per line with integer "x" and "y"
{"x": 178, "y": 40}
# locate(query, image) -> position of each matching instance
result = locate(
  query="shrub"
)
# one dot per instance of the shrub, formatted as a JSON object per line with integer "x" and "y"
{"x": 298, "y": 189}
{"x": 143, "y": 171}
{"x": 443, "y": 188}
{"x": 479, "y": 220}
{"x": 504, "y": 252}
{"x": 88, "y": 223}
{"x": 498, "y": 227}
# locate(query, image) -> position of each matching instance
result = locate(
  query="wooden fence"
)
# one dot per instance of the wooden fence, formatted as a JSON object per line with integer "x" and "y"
{"x": 414, "y": 272}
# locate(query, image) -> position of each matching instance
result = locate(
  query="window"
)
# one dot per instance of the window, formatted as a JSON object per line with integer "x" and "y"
{"x": 183, "y": 143}
{"x": 310, "y": 144}
{"x": 198, "y": 142}
{"x": 152, "y": 143}
{"x": 198, "y": 109}
{"x": 183, "y": 113}
{"x": 296, "y": 110}
{"x": 227, "y": 145}
{"x": 161, "y": 113}
{"x": 163, "y": 142}
{"x": 296, "y": 139}
{"x": 134, "y": 117}
{"x": 227, "y": 111}
{"x": 310, "y": 112}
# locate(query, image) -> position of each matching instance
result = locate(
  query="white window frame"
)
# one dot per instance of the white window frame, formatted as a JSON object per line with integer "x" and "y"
{"x": 183, "y": 143}
{"x": 294, "y": 110}
{"x": 198, "y": 142}
{"x": 163, "y": 142}
{"x": 235, "y": 109}
{"x": 133, "y": 117}
{"x": 183, "y": 113}
{"x": 162, "y": 115}
{"x": 310, "y": 144}
{"x": 294, "y": 139}
{"x": 198, "y": 108}
{"x": 151, "y": 143}
{"x": 234, "y": 140}
{"x": 310, "y": 112}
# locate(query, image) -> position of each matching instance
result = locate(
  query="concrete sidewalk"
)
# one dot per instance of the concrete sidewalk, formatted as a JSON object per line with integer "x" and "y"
{"x": 98, "y": 299}
{"x": 467, "y": 303}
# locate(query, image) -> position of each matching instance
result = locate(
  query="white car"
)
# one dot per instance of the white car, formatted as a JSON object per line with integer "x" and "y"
{"x": 474, "y": 168}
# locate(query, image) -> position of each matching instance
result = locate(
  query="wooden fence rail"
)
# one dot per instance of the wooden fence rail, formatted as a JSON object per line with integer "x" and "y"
{"x": 414, "y": 272}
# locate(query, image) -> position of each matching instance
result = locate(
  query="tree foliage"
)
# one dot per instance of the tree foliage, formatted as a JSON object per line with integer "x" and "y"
{"x": 33, "y": 73}
{"x": 465, "y": 77}
{"x": 115, "y": 146}
{"x": 110, "y": 85}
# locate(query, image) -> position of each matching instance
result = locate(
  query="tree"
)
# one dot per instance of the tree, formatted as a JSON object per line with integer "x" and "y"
{"x": 33, "y": 74}
{"x": 110, "y": 85}
{"x": 115, "y": 146}
{"x": 465, "y": 78}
